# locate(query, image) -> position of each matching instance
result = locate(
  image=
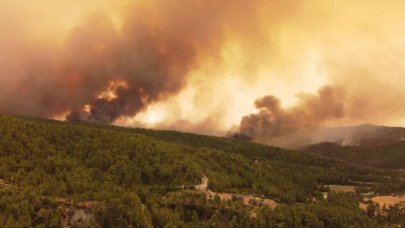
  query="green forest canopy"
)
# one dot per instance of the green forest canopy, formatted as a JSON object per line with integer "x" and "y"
{"x": 129, "y": 172}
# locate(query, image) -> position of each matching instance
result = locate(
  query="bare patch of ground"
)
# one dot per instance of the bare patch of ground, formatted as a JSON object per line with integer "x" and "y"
{"x": 248, "y": 200}
{"x": 75, "y": 212}
{"x": 204, "y": 184}
{"x": 363, "y": 206}
{"x": 74, "y": 216}
{"x": 342, "y": 188}
{"x": 4, "y": 184}
{"x": 389, "y": 200}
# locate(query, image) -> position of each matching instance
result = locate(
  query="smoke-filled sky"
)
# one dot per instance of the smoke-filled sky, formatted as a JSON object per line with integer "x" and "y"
{"x": 261, "y": 67}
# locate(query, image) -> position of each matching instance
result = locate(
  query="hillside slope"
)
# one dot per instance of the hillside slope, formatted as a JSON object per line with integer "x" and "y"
{"x": 116, "y": 177}
{"x": 359, "y": 135}
{"x": 388, "y": 156}
{"x": 362, "y": 135}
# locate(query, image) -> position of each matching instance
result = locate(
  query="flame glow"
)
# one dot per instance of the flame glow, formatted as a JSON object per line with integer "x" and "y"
{"x": 200, "y": 67}
{"x": 111, "y": 92}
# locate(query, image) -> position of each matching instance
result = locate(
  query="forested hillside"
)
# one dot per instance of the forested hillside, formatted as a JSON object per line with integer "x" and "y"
{"x": 123, "y": 177}
{"x": 388, "y": 156}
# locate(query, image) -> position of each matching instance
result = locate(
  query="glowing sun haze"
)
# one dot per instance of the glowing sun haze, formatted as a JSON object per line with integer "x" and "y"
{"x": 205, "y": 66}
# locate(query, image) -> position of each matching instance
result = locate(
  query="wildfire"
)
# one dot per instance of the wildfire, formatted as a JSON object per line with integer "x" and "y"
{"x": 110, "y": 93}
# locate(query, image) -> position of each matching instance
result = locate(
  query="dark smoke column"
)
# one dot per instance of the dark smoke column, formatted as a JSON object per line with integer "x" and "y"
{"x": 149, "y": 67}
{"x": 152, "y": 55}
{"x": 274, "y": 121}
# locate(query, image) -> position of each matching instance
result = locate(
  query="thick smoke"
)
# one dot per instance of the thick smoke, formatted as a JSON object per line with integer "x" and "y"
{"x": 159, "y": 62}
{"x": 149, "y": 67}
{"x": 146, "y": 66}
{"x": 100, "y": 71}
{"x": 273, "y": 120}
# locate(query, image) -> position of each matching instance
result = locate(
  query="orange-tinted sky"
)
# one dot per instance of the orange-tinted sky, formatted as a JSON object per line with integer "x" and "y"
{"x": 217, "y": 58}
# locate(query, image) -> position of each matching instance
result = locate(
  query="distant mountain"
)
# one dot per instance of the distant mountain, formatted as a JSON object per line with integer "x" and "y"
{"x": 385, "y": 154}
{"x": 365, "y": 134}
{"x": 369, "y": 145}
{"x": 360, "y": 135}
{"x": 56, "y": 174}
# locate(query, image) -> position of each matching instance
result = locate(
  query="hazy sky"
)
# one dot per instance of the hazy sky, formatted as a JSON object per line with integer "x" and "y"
{"x": 201, "y": 65}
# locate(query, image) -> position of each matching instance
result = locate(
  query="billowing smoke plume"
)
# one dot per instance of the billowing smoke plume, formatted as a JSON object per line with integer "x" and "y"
{"x": 275, "y": 121}
{"x": 136, "y": 67}
{"x": 102, "y": 72}
{"x": 199, "y": 65}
